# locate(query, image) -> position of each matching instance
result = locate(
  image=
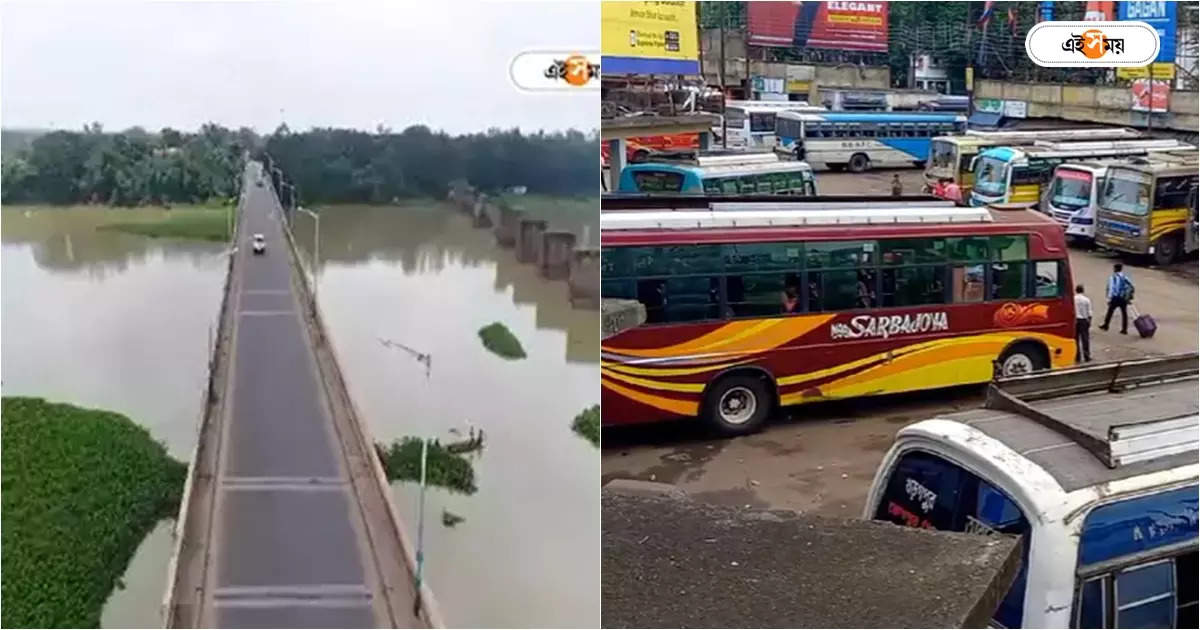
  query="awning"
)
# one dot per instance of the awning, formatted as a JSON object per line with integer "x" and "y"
{"x": 984, "y": 119}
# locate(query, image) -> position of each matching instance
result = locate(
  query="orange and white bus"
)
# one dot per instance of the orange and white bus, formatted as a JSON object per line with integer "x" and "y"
{"x": 753, "y": 305}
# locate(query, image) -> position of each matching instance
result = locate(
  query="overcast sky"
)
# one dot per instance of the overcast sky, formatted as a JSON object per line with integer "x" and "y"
{"x": 443, "y": 63}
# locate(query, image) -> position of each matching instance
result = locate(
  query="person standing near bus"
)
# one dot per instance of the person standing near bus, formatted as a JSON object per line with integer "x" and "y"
{"x": 1119, "y": 293}
{"x": 897, "y": 187}
{"x": 1083, "y": 325}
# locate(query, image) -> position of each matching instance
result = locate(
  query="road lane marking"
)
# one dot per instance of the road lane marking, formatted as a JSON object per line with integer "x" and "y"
{"x": 268, "y": 291}
{"x": 265, "y": 313}
{"x": 282, "y": 591}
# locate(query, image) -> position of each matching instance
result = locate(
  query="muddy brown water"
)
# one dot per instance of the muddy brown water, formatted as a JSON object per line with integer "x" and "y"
{"x": 527, "y": 552}
{"x": 111, "y": 321}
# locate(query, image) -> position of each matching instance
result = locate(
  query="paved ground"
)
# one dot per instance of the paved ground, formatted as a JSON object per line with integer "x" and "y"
{"x": 288, "y": 545}
{"x": 821, "y": 458}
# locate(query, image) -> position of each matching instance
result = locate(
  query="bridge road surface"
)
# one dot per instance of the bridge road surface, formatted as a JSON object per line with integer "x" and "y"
{"x": 287, "y": 545}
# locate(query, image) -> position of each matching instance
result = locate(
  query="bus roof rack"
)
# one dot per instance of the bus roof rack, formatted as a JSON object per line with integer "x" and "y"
{"x": 730, "y": 215}
{"x": 1166, "y": 425}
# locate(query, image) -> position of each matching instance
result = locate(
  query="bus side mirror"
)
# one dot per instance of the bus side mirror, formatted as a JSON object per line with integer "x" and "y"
{"x": 971, "y": 167}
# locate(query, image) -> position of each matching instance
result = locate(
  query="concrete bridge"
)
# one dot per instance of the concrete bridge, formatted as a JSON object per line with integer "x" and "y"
{"x": 287, "y": 519}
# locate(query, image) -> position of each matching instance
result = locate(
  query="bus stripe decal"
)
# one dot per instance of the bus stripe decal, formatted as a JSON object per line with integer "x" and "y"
{"x": 673, "y": 405}
{"x": 687, "y": 388}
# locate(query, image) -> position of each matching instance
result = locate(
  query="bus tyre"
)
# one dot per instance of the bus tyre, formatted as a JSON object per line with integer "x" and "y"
{"x": 1023, "y": 358}
{"x": 737, "y": 405}
{"x": 859, "y": 163}
{"x": 1165, "y": 250}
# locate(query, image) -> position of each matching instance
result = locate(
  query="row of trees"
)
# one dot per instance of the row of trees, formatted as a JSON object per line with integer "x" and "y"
{"x": 326, "y": 165}
{"x": 128, "y": 168}
{"x": 344, "y": 165}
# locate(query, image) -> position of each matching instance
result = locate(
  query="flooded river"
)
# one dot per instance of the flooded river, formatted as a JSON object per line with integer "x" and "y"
{"x": 527, "y": 553}
{"x": 111, "y": 321}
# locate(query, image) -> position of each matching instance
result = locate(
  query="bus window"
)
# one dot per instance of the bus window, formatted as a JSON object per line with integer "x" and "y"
{"x": 1006, "y": 248}
{"x": 914, "y": 286}
{"x": 747, "y": 185}
{"x": 761, "y": 294}
{"x": 1008, "y": 281}
{"x": 967, "y": 248}
{"x": 674, "y": 260}
{"x": 729, "y": 185}
{"x": 829, "y": 254}
{"x": 712, "y": 186}
{"x": 1092, "y": 604}
{"x": 763, "y": 183}
{"x": 797, "y": 184}
{"x": 967, "y": 283}
{"x": 1145, "y": 596}
{"x": 908, "y": 251}
{"x": 762, "y": 122}
{"x": 658, "y": 181}
{"x": 1045, "y": 279}
{"x": 779, "y": 182}
{"x": 841, "y": 290}
{"x": 1172, "y": 192}
{"x": 925, "y": 490}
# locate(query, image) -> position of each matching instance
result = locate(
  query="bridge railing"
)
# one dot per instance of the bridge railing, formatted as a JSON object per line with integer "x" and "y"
{"x": 428, "y": 611}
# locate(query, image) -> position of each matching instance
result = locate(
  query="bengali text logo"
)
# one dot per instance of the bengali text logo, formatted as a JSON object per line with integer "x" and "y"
{"x": 1103, "y": 44}
{"x": 543, "y": 71}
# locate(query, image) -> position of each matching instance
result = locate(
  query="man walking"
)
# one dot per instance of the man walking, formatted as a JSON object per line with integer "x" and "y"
{"x": 1119, "y": 293}
{"x": 897, "y": 187}
{"x": 1083, "y": 324}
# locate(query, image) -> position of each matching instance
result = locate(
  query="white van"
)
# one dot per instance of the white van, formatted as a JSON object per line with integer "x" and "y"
{"x": 1096, "y": 467}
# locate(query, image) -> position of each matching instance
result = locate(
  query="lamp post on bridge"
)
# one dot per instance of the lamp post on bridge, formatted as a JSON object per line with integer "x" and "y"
{"x": 427, "y": 360}
{"x": 316, "y": 247}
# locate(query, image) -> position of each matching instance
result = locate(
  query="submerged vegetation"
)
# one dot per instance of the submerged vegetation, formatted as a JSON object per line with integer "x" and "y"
{"x": 81, "y": 489}
{"x": 402, "y": 462}
{"x": 203, "y": 223}
{"x": 497, "y": 338}
{"x": 587, "y": 424}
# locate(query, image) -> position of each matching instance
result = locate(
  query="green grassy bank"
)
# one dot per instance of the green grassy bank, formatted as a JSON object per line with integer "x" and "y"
{"x": 81, "y": 489}
{"x": 402, "y": 461}
{"x": 208, "y": 223}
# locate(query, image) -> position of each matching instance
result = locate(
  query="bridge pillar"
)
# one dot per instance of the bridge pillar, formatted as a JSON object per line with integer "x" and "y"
{"x": 583, "y": 278}
{"x": 506, "y": 228}
{"x": 529, "y": 240}
{"x": 555, "y": 259}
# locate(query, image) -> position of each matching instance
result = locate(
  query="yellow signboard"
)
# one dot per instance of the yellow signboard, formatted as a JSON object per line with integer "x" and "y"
{"x": 1161, "y": 71}
{"x": 649, "y": 38}
{"x": 796, "y": 86}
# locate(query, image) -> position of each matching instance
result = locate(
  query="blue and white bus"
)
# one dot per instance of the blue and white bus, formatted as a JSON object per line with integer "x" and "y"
{"x": 859, "y": 141}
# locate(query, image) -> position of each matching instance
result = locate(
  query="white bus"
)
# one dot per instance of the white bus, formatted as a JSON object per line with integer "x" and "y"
{"x": 751, "y": 124}
{"x": 859, "y": 141}
{"x": 1070, "y": 198}
{"x": 1094, "y": 467}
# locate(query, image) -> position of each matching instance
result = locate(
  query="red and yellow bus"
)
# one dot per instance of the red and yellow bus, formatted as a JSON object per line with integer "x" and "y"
{"x": 750, "y": 309}
{"x": 640, "y": 149}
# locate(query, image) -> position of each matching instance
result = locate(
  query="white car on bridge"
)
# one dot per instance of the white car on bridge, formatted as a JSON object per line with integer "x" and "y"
{"x": 260, "y": 244}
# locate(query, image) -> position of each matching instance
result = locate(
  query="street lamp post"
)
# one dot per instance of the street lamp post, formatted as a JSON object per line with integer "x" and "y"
{"x": 316, "y": 266}
{"x": 426, "y": 359}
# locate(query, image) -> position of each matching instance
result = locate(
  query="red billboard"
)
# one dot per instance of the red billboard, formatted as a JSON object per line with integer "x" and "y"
{"x": 844, "y": 25}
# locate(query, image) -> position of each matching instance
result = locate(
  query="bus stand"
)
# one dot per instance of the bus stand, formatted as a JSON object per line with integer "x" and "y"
{"x": 672, "y": 562}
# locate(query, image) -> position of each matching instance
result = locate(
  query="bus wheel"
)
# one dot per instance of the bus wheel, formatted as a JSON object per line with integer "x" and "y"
{"x": 1165, "y": 250}
{"x": 1023, "y": 358}
{"x": 859, "y": 163}
{"x": 737, "y": 405}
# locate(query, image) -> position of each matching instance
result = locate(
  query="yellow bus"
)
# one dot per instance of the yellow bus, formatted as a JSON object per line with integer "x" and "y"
{"x": 1149, "y": 207}
{"x": 1018, "y": 174}
{"x": 948, "y": 170}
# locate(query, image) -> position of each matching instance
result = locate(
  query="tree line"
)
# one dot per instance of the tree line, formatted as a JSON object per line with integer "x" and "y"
{"x": 345, "y": 165}
{"x": 132, "y": 167}
{"x": 136, "y": 167}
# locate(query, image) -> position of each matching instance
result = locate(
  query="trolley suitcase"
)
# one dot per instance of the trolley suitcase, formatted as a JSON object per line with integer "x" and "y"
{"x": 1143, "y": 323}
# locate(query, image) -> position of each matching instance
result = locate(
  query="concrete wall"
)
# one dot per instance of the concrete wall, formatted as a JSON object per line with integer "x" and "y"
{"x": 1093, "y": 104}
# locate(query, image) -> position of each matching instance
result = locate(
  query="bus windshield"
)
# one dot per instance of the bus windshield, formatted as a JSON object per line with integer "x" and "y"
{"x": 1071, "y": 189}
{"x": 1126, "y": 195}
{"x": 991, "y": 176}
{"x": 735, "y": 117}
